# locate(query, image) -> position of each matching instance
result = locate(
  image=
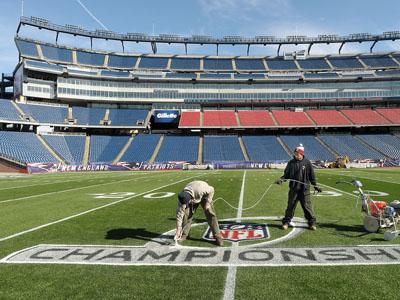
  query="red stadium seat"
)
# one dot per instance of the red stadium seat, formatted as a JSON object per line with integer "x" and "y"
{"x": 255, "y": 118}
{"x": 328, "y": 117}
{"x": 190, "y": 119}
{"x": 364, "y": 117}
{"x": 291, "y": 118}
{"x": 220, "y": 118}
{"x": 392, "y": 114}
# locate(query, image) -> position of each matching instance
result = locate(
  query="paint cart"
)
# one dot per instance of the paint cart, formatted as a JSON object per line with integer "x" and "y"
{"x": 378, "y": 214}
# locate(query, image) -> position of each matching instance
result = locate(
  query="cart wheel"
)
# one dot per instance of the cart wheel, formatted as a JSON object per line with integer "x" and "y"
{"x": 390, "y": 235}
{"x": 371, "y": 224}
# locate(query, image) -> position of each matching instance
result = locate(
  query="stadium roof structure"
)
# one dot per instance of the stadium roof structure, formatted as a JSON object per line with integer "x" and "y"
{"x": 209, "y": 40}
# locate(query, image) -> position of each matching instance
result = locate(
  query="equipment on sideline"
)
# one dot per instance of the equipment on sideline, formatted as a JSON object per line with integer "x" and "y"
{"x": 378, "y": 214}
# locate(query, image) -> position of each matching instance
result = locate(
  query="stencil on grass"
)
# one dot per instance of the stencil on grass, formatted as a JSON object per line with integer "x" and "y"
{"x": 238, "y": 256}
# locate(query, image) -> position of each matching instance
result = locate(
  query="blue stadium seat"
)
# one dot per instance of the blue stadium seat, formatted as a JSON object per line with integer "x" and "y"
{"x": 379, "y": 61}
{"x": 57, "y": 54}
{"x": 281, "y": 64}
{"x": 27, "y": 48}
{"x": 265, "y": 148}
{"x": 70, "y": 147}
{"x": 179, "y": 148}
{"x": 386, "y": 143}
{"x": 314, "y": 150}
{"x": 45, "y": 113}
{"x": 8, "y": 111}
{"x": 346, "y": 144}
{"x": 345, "y": 62}
{"x": 142, "y": 148}
{"x": 222, "y": 148}
{"x": 179, "y": 63}
{"x": 313, "y": 64}
{"x": 218, "y": 64}
{"x": 90, "y": 58}
{"x": 122, "y": 61}
{"x": 88, "y": 116}
{"x": 104, "y": 149}
{"x": 128, "y": 117}
{"x": 250, "y": 64}
{"x": 24, "y": 147}
{"x": 157, "y": 63}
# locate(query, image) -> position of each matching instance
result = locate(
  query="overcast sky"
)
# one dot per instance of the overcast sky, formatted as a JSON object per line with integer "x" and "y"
{"x": 217, "y": 18}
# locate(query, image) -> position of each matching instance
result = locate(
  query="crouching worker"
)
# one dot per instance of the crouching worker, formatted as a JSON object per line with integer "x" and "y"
{"x": 194, "y": 194}
{"x": 301, "y": 173}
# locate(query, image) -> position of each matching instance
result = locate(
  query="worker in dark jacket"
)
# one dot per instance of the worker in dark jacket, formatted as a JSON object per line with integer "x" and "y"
{"x": 301, "y": 173}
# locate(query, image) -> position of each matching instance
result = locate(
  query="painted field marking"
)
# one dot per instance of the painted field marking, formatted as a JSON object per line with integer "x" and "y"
{"x": 368, "y": 178}
{"x": 68, "y": 190}
{"x": 338, "y": 190}
{"x": 240, "y": 257}
{"x": 300, "y": 225}
{"x": 230, "y": 282}
{"x": 60, "y": 180}
{"x": 92, "y": 210}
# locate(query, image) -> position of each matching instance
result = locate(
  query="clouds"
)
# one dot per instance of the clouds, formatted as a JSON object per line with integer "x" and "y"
{"x": 244, "y": 9}
{"x": 278, "y": 18}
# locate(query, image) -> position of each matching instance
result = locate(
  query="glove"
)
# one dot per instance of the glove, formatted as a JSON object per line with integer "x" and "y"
{"x": 178, "y": 234}
{"x": 317, "y": 189}
{"x": 279, "y": 181}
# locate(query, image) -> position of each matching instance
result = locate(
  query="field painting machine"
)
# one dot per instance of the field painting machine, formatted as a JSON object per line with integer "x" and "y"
{"x": 378, "y": 214}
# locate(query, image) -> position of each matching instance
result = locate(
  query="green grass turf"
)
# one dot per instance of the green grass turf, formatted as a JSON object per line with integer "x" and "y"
{"x": 100, "y": 282}
{"x": 138, "y": 220}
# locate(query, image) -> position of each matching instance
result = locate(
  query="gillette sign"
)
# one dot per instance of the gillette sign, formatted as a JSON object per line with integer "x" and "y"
{"x": 166, "y": 116}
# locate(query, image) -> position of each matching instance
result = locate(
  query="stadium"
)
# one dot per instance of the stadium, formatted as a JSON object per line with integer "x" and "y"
{"x": 97, "y": 144}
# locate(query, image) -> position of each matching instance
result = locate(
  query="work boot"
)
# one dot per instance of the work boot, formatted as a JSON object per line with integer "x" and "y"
{"x": 285, "y": 226}
{"x": 183, "y": 238}
{"x": 219, "y": 241}
{"x": 312, "y": 227}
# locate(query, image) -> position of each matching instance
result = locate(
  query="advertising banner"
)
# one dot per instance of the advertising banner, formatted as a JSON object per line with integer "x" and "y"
{"x": 120, "y": 166}
{"x": 166, "y": 116}
{"x": 245, "y": 165}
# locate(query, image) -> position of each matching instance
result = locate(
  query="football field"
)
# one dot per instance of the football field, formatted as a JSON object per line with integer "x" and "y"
{"x": 109, "y": 236}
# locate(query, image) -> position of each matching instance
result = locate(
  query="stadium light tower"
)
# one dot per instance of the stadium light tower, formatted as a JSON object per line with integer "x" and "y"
{"x": 22, "y": 8}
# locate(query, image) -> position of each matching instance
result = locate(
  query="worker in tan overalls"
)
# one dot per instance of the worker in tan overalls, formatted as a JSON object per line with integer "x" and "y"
{"x": 195, "y": 193}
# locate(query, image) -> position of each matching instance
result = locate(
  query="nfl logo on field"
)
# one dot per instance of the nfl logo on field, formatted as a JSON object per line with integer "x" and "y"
{"x": 236, "y": 232}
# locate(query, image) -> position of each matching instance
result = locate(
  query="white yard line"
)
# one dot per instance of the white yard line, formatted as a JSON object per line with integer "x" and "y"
{"x": 68, "y": 190}
{"x": 338, "y": 190}
{"x": 369, "y": 178}
{"x": 230, "y": 283}
{"x": 241, "y": 197}
{"x": 92, "y": 210}
{"x": 62, "y": 181}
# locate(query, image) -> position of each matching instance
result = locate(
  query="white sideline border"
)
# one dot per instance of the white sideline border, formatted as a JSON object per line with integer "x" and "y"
{"x": 92, "y": 210}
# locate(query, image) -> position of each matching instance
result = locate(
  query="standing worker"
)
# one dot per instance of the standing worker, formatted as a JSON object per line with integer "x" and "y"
{"x": 301, "y": 173}
{"x": 195, "y": 193}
